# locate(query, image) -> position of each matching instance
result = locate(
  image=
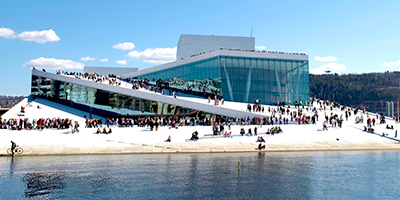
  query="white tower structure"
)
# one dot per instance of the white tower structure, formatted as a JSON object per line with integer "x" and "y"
{"x": 194, "y": 44}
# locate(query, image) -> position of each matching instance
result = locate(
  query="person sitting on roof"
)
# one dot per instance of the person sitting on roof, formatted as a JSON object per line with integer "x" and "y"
{"x": 242, "y": 131}
{"x": 195, "y": 136}
{"x": 169, "y": 139}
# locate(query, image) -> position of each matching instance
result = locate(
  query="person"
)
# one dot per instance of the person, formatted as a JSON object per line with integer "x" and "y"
{"x": 104, "y": 130}
{"x": 242, "y": 131}
{"x": 13, "y": 146}
{"x": 260, "y": 146}
{"x": 325, "y": 126}
{"x": 76, "y": 127}
{"x": 215, "y": 130}
{"x": 109, "y": 131}
{"x": 98, "y": 131}
{"x": 228, "y": 134}
{"x": 169, "y": 139}
{"x": 395, "y": 134}
{"x": 250, "y": 132}
{"x": 195, "y": 136}
{"x": 255, "y": 131}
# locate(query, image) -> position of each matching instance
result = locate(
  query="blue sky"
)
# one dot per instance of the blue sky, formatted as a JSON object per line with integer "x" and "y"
{"x": 343, "y": 36}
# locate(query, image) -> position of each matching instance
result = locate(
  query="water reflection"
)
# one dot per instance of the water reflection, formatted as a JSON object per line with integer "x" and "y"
{"x": 202, "y": 176}
{"x": 12, "y": 166}
{"x": 40, "y": 184}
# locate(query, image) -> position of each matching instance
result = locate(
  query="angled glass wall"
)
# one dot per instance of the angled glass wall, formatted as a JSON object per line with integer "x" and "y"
{"x": 269, "y": 80}
{"x": 203, "y": 77}
{"x": 104, "y": 103}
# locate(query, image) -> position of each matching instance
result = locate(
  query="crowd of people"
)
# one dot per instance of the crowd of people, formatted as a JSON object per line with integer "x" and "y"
{"x": 35, "y": 124}
{"x": 111, "y": 78}
{"x": 104, "y": 131}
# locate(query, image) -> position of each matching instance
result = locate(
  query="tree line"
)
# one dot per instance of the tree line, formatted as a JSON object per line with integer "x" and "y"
{"x": 9, "y": 101}
{"x": 353, "y": 89}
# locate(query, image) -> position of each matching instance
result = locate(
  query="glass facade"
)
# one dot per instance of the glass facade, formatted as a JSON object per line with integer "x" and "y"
{"x": 242, "y": 79}
{"x": 203, "y": 76}
{"x": 104, "y": 103}
{"x": 269, "y": 80}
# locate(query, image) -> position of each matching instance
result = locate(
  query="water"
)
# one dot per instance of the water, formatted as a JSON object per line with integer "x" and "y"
{"x": 285, "y": 175}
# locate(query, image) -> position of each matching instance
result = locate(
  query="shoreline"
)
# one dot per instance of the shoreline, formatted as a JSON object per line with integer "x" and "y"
{"x": 140, "y": 140}
{"x": 206, "y": 147}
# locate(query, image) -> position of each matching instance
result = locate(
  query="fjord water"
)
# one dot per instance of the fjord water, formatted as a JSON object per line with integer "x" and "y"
{"x": 270, "y": 175}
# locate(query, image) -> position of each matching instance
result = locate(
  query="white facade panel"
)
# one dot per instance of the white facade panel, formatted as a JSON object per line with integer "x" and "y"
{"x": 194, "y": 44}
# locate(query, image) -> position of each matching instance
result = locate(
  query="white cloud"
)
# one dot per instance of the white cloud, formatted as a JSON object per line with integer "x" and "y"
{"x": 326, "y": 58}
{"x": 54, "y": 64}
{"x": 35, "y": 36}
{"x": 124, "y": 46}
{"x": 391, "y": 63}
{"x": 104, "y": 60}
{"x": 87, "y": 58}
{"x": 261, "y": 47}
{"x": 328, "y": 67}
{"x": 7, "y": 33}
{"x": 157, "y": 55}
{"x": 121, "y": 62}
{"x": 39, "y": 36}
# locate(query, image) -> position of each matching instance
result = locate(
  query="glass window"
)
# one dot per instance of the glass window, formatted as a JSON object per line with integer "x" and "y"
{"x": 241, "y": 63}
{"x": 235, "y": 62}
{"x": 229, "y": 62}
{"x": 259, "y": 73}
{"x": 247, "y": 63}
{"x": 282, "y": 66}
{"x": 259, "y": 64}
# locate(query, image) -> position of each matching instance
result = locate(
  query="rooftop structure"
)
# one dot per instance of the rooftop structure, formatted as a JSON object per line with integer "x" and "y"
{"x": 193, "y": 44}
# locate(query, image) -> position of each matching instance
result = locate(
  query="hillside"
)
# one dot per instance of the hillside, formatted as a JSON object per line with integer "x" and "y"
{"x": 9, "y": 101}
{"x": 353, "y": 89}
